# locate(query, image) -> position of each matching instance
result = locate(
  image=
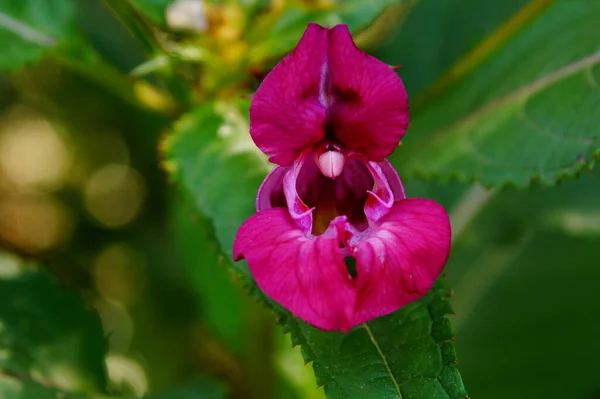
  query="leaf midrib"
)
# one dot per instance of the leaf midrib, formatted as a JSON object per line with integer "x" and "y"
{"x": 484, "y": 50}
{"x": 522, "y": 93}
{"x": 383, "y": 358}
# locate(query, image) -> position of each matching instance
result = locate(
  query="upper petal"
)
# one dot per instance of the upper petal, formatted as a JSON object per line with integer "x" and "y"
{"x": 370, "y": 111}
{"x": 307, "y": 276}
{"x": 285, "y": 114}
{"x": 399, "y": 262}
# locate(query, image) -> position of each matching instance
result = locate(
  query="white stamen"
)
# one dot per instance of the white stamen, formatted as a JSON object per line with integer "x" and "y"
{"x": 331, "y": 163}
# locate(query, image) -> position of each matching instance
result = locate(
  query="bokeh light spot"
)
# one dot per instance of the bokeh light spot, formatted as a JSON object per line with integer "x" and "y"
{"x": 35, "y": 223}
{"x": 32, "y": 155}
{"x": 114, "y": 195}
{"x": 118, "y": 274}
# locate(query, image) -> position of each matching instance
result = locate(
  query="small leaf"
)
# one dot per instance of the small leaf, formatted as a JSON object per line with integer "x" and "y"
{"x": 211, "y": 156}
{"x": 28, "y": 28}
{"x": 529, "y": 112}
{"x": 46, "y": 333}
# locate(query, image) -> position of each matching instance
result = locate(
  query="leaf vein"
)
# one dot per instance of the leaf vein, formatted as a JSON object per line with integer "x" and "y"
{"x": 590, "y": 78}
{"x": 523, "y": 92}
{"x": 529, "y": 121}
{"x": 383, "y": 358}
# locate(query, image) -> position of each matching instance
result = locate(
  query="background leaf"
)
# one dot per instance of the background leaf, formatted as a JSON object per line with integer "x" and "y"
{"x": 13, "y": 388}
{"x": 277, "y": 34}
{"x": 46, "y": 332}
{"x": 437, "y": 33}
{"x": 155, "y": 10}
{"x": 28, "y": 28}
{"x": 524, "y": 294}
{"x": 369, "y": 361}
{"x": 506, "y": 121}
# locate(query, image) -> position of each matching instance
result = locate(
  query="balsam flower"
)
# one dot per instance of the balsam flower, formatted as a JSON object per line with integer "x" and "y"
{"x": 328, "y": 114}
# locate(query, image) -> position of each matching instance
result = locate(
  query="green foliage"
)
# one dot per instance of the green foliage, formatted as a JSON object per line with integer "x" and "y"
{"x": 407, "y": 354}
{"x": 525, "y": 294}
{"x": 155, "y": 10}
{"x": 214, "y": 137}
{"x": 282, "y": 35}
{"x": 505, "y": 122}
{"x": 28, "y": 28}
{"x": 437, "y": 33}
{"x": 502, "y": 93}
{"x": 46, "y": 332}
{"x": 13, "y": 388}
{"x": 221, "y": 301}
{"x": 275, "y": 34}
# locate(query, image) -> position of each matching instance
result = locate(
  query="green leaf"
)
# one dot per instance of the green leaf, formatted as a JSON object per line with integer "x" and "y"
{"x": 46, "y": 332}
{"x": 221, "y": 302}
{"x": 28, "y": 28}
{"x": 437, "y": 33}
{"x": 15, "y": 388}
{"x": 155, "y": 10}
{"x": 407, "y": 352}
{"x": 528, "y": 112}
{"x": 525, "y": 294}
{"x": 210, "y": 155}
{"x": 215, "y": 138}
{"x": 283, "y": 34}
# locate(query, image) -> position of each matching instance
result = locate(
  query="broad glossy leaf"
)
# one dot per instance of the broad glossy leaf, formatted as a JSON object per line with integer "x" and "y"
{"x": 46, "y": 333}
{"x": 437, "y": 33}
{"x": 525, "y": 276}
{"x": 212, "y": 157}
{"x": 28, "y": 28}
{"x": 528, "y": 112}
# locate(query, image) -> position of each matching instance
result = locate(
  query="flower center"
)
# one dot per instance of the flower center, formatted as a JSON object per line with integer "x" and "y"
{"x": 334, "y": 190}
{"x": 330, "y": 159}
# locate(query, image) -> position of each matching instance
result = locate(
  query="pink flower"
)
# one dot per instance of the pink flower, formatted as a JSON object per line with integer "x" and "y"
{"x": 328, "y": 115}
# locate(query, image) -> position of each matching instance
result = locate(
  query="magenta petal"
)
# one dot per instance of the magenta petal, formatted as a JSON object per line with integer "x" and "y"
{"x": 307, "y": 276}
{"x": 370, "y": 113}
{"x": 270, "y": 193}
{"x": 393, "y": 179}
{"x": 399, "y": 262}
{"x": 285, "y": 114}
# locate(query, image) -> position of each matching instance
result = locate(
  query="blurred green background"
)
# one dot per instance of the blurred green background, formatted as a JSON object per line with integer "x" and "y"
{"x": 84, "y": 198}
